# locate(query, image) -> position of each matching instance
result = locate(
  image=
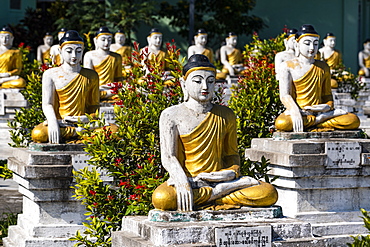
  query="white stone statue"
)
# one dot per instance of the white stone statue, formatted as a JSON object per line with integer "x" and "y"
{"x": 43, "y": 51}
{"x": 364, "y": 59}
{"x": 122, "y": 49}
{"x": 231, "y": 57}
{"x": 199, "y": 150}
{"x": 305, "y": 90}
{"x": 288, "y": 54}
{"x": 10, "y": 61}
{"x": 69, "y": 92}
{"x": 200, "y": 40}
{"x": 106, "y": 63}
{"x": 54, "y": 50}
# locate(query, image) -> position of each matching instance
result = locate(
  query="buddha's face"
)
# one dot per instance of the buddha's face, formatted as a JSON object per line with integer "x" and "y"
{"x": 120, "y": 38}
{"x": 367, "y": 46}
{"x": 72, "y": 53}
{"x": 308, "y": 46}
{"x": 155, "y": 40}
{"x": 6, "y": 39}
{"x": 103, "y": 42}
{"x": 232, "y": 41}
{"x": 200, "y": 85}
{"x": 48, "y": 40}
{"x": 201, "y": 39}
{"x": 330, "y": 41}
{"x": 60, "y": 35}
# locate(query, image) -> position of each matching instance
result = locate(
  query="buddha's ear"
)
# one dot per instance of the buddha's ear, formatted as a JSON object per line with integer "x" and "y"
{"x": 296, "y": 48}
{"x": 186, "y": 94}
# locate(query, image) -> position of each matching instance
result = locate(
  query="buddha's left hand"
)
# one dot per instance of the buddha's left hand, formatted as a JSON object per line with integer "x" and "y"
{"x": 220, "y": 176}
{"x": 318, "y": 108}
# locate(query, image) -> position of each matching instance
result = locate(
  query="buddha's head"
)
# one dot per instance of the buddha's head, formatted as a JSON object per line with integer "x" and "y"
{"x": 329, "y": 40}
{"x": 103, "y": 39}
{"x": 367, "y": 44}
{"x": 154, "y": 38}
{"x": 231, "y": 39}
{"x": 198, "y": 81}
{"x": 290, "y": 39}
{"x": 48, "y": 39}
{"x": 120, "y": 37}
{"x": 307, "y": 41}
{"x": 200, "y": 38}
{"x": 71, "y": 47}
{"x": 6, "y": 37}
{"x": 61, "y": 33}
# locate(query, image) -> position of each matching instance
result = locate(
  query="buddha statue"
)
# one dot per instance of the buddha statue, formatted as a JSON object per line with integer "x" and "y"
{"x": 231, "y": 57}
{"x": 153, "y": 54}
{"x": 364, "y": 59}
{"x": 43, "y": 51}
{"x": 200, "y": 41}
{"x": 54, "y": 50}
{"x": 331, "y": 56}
{"x": 288, "y": 54}
{"x": 120, "y": 47}
{"x": 10, "y": 61}
{"x": 106, "y": 63}
{"x": 69, "y": 92}
{"x": 199, "y": 150}
{"x": 305, "y": 90}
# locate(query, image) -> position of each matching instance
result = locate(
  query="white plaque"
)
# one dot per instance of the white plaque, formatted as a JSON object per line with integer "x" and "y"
{"x": 79, "y": 161}
{"x": 343, "y": 154}
{"x": 2, "y": 103}
{"x": 253, "y": 236}
{"x": 108, "y": 113}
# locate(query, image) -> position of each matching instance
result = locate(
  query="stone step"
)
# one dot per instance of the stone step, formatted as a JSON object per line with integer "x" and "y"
{"x": 332, "y": 241}
{"x": 339, "y": 228}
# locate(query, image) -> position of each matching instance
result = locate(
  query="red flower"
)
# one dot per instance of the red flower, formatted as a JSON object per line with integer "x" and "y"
{"x": 92, "y": 192}
{"x": 110, "y": 198}
{"x": 139, "y": 187}
{"x": 21, "y": 45}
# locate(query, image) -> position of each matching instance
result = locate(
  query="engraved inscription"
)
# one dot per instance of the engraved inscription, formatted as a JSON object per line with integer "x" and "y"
{"x": 79, "y": 161}
{"x": 343, "y": 154}
{"x": 108, "y": 114}
{"x": 256, "y": 236}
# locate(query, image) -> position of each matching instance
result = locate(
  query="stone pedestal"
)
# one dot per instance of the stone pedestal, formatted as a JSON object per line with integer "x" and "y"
{"x": 50, "y": 215}
{"x": 324, "y": 178}
{"x": 10, "y": 100}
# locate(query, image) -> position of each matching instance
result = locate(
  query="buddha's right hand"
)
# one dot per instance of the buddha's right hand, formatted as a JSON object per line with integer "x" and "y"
{"x": 184, "y": 194}
{"x": 297, "y": 121}
{"x": 54, "y": 132}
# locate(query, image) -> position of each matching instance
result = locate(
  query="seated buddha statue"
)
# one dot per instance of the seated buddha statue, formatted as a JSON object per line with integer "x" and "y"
{"x": 153, "y": 54}
{"x": 10, "y": 61}
{"x": 54, "y": 50}
{"x": 289, "y": 53}
{"x": 305, "y": 91}
{"x": 331, "y": 56}
{"x": 364, "y": 59}
{"x": 199, "y": 47}
{"x": 230, "y": 57}
{"x": 120, "y": 47}
{"x": 106, "y": 63}
{"x": 43, "y": 51}
{"x": 199, "y": 150}
{"x": 69, "y": 92}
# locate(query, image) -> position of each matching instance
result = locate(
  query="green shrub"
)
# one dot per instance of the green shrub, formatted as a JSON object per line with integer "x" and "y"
{"x": 362, "y": 241}
{"x": 4, "y": 171}
{"x": 6, "y": 220}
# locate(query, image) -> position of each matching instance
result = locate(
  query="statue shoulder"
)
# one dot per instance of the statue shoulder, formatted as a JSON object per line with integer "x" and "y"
{"x": 89, "y": 73}
{"x": 224, "y": 111}
{"x": 114, "y": 54}
{"x": 322, "y": 64}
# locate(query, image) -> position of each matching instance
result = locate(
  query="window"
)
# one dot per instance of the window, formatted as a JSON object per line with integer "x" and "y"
{"x": 15, "y": 4}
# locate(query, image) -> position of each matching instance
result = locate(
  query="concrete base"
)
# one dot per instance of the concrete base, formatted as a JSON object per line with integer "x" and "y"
{"x": 323, "y": 180}
{"x": 50, "y": 215}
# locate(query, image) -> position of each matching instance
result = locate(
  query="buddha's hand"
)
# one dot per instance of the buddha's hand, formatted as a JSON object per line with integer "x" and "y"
{"x": 367, "y": 72}
{"x": 2, "y": 75}
{"x": 75, "y": 119}
{"x": 53, "y": 132}
{"x": 220, "y": 176}
{"x": 297, "y": 120}
{"x": 184, "y": 194}
{"x": 318, "y": 108}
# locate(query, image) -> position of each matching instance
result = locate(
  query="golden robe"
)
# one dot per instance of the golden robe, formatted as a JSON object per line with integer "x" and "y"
{"x": 361, "y": 72}
{"x": 125, "y": 52}
{"x": 208, "y": 53}
{"x": 110, "y": 69}
{"x": 11, "y": 62}
{"x": 334, "y": 60}
{"x": 235, "y": 57}
{"x": 57, "y": 59}
{"x": 312, "y": 89}
{"x": 45, "y": 56}
{"x": 81, "y": 96}
{"x": 158, "y": 60}
{"x": 211, "y": 147}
